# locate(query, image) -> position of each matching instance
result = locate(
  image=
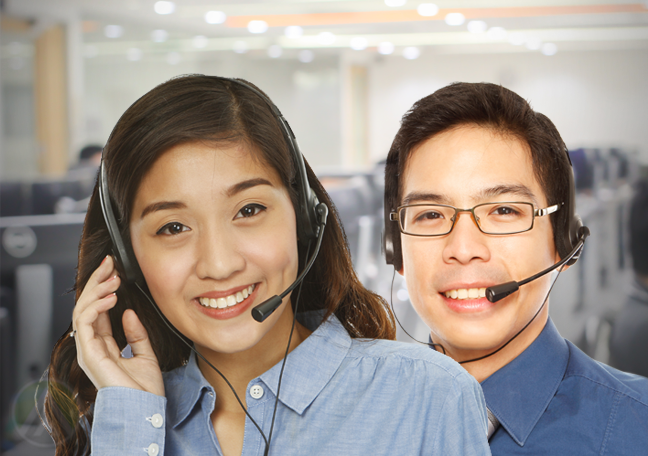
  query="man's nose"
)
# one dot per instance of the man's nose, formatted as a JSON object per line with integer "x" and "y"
{"x": 465, "y": 242}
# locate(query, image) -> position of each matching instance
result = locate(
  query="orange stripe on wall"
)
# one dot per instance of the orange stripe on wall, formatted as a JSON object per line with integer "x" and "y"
{"x": 283, "y": 20}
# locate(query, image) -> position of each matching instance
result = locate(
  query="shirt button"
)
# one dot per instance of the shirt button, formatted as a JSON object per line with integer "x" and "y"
{"x": 256, "y": 392}
{"x": 153, "y": 449}
{"x": 157, "y": 421}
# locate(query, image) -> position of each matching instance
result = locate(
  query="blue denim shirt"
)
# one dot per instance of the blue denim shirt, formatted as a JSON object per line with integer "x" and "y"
{"x": 554, "y": 399}
{"x": 339, "y": 396}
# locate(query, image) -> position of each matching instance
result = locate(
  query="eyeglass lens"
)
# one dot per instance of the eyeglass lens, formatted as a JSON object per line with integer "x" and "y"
{"x": 492, "y": 218}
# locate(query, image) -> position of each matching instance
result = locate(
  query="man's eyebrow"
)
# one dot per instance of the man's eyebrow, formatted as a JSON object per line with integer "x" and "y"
{"x": 517, "y": 189}
{"x": 422, "y": 197}
{"x": 244, "y": 185}
{"x": 498, "y": 190}
{"x": 162, "y": 206}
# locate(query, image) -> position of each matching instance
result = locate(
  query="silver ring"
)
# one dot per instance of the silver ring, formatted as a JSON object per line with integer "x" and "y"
{"x": 73, "y": 333}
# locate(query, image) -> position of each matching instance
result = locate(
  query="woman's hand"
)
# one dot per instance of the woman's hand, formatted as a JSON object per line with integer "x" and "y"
{"x": 97, "y": 352}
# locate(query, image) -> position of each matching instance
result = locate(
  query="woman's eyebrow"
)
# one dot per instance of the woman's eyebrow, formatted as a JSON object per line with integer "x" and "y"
{"x": 161, "y": 206}
{"x": 244, "y": 185}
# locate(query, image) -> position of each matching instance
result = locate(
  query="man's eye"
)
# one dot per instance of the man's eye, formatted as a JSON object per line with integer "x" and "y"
{"x": 173, "y": 228}
{"x": 250, "y": 210}
{"x": 505, "y": 210}
{"x": 429, "y": 215}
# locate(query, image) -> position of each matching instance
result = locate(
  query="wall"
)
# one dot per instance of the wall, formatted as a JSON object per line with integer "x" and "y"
{"x": 307, "y": 94}
{"x": 595, "y": 98}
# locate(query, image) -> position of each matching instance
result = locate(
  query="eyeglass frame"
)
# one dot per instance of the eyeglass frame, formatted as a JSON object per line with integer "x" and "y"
{"x": 395, "y": 217}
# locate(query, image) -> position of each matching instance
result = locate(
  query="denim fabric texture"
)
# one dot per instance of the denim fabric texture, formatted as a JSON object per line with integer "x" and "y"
{"x": 339, "y": 396}
{"x": 553, "y": 399}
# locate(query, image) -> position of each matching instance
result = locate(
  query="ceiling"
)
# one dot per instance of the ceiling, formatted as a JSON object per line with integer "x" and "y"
{"x": 120, "y": 27}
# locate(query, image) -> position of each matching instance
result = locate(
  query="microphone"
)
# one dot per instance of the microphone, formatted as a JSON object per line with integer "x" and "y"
{"x": 267, "y": 307}
{"x": 497, "y": 292}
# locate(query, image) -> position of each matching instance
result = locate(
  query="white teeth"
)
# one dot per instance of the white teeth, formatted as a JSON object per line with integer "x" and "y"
{"x": 227, "y": 301}
{"x": 466, "y": 293}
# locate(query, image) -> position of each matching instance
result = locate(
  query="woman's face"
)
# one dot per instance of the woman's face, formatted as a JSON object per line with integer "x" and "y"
{"x": 214, "y": 232}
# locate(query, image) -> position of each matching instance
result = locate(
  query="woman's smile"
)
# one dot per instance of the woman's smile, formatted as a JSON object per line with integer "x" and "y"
{"x": 224, "y": 306}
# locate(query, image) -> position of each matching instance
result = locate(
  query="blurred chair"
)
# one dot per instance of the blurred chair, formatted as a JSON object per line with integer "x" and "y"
{"x": 629, "y": 335}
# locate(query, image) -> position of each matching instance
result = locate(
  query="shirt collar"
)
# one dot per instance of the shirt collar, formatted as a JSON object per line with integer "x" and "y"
{"x": 309, "y": 368}
{"x": 519, "y": 393}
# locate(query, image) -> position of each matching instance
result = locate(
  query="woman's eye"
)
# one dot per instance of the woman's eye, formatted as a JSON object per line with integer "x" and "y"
{"x": 250, "y": 211}
{"x": 173, "y": 228}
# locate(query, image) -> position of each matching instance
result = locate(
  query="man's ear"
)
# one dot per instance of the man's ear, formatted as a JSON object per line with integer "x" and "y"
{"x": 401, "y": 271}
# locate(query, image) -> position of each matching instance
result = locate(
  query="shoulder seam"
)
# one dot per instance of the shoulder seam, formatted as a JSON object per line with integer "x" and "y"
{"x": 610, "y": 387}
{"x": 402, "y": 356}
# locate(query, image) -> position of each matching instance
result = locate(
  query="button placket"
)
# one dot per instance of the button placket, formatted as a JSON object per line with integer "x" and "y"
{"x": 153, "y": 449}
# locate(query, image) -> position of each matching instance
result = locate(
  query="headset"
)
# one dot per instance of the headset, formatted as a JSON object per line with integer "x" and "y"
{"x": 311, "y": 217}
{"x": 310, "y": 213}
{"x": 566, "y": 241}
{"x": 569, "y": 242}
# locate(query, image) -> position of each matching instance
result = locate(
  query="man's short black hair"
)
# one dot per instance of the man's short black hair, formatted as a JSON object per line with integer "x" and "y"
{"x": 89, "y": 151}
{"x": 501, "y": 110}
{"x": 639, "y": 228}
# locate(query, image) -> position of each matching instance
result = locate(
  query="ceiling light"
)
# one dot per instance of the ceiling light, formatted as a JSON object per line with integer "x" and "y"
{"x": 159, "y": 36}
{"x": 134, "y": 54}
{"x": 549, "y": 49}
{"x": 173, "y": 58}
{"x": 326, "y": 38}
{"x": 215, "y": 17}
{"x": 516, "y": 38}
{"x": 385, "y": 48}
{"x": 496, "y": 33}
{"x": 200, "y": 41}
{"x": 257, "y": 26}
{"x": 293, "y": 31}
{"x": 394, "y": 3}
{"x": 306, "y": 56}
{"x": 358, "y": 43}
{"x": 477, "y": 26}
{"x": 113, "y": 31}
{"x": 455, "y": 19}
{"x": 427, "y": 9}
{"x": 411, "y": 52}
{"x": 164, "y": 7}
{"x": 240, "y": 47}
{"x": 275, "y": 51}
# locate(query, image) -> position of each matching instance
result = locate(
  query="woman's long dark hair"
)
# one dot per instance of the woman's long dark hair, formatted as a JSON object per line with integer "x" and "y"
{"x": 185, "y": 109}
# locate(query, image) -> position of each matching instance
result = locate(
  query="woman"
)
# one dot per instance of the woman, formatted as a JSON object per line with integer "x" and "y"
{"x": 210, "y": 203}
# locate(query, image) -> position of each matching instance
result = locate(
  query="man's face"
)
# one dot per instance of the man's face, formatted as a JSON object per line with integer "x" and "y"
{"x": 464, "y": 167}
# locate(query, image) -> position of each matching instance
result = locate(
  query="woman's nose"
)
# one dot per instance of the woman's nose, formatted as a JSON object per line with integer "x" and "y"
{"x": 218, "y": 255}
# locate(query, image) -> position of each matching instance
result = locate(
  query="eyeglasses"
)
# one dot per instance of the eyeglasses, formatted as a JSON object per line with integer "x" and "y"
{"x": 491, "y": 218}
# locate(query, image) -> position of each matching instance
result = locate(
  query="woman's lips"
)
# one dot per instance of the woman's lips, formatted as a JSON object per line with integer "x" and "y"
{"x": 231, "y": 309}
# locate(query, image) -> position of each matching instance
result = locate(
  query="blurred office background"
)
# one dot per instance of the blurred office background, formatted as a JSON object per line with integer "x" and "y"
{"x": 343, "y": 73}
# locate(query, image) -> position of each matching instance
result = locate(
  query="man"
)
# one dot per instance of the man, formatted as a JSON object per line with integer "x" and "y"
{"x": 629, "y": 341}
{"x": 479, "y": 193}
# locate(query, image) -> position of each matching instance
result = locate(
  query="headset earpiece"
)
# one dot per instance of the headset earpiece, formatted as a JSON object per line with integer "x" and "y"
{"x": 309, "y": 213}
{"x": 130, "y": 272}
